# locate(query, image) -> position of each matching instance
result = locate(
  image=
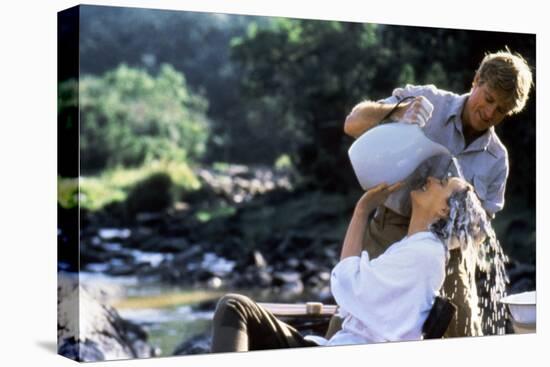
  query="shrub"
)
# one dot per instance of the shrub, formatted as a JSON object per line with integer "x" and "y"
{"x": 155, "y": 193}
{"x": 129, "y": 118}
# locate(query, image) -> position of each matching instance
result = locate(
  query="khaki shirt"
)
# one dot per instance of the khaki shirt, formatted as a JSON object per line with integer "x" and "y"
{"x": 484, "y": 162}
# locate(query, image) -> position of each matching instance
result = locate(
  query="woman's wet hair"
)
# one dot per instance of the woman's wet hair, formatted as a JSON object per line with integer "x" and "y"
{"x": 466, "y": 223}
{"x": 468, "y": 227}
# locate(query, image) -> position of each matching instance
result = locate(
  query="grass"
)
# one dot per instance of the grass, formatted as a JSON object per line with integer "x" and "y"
{"x": 167, "y": 300}
{"x": 218, "y": 212}
{"x": 114, "y": 185}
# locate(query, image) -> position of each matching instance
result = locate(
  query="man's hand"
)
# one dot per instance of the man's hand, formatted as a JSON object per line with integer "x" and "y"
{"x": 418, "y": 111}
{"x": 376, "y": 196}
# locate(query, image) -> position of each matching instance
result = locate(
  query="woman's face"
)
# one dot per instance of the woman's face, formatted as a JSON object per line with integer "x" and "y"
{"x": 434, "y": 195}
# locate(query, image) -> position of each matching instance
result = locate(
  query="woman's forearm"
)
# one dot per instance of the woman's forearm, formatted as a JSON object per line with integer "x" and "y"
{"x": 354, "y": 235}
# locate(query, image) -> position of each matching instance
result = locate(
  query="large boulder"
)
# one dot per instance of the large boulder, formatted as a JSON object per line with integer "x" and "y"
{"x": 89, "y": 330}
{"x": 199, "y": 344}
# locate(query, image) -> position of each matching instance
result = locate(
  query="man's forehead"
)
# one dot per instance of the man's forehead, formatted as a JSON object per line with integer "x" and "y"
{"x": 504, "y": 99}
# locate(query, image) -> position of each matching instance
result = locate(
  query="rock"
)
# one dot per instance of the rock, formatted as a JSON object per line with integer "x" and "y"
{"x": 205, "y": 306}
{"x": 214, "y": 282}
{"x": 149, "y": 218}
{"x": 123, "y": 269}
{"x": 217, "y": 265}
{"x": 281, "y": 278}
{"x": 185, "y": 257}
{"x": 293, "y": 288}
{"x": 317, "y": 280}
{"x": 290, "y": 283}
{"x": 259, "y": 260}
{"x": 522, "y": 277}
{"x": 293, "y": 263}
{"x": 88, "y": 330}
{"x": 522, "y": 285}
{"x": 87, "y": 351}
{"x": 254, "y": 277}
{"x": 89, "y": 255}
{"x": 199, "y": 344}
{"x": 169, "y": 245}
{"x": 114, "y": 234}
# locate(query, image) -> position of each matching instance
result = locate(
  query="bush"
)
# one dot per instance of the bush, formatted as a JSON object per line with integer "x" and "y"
{"x": 129, "y": 118}
{"x": 155, "y": 193}
{"x": 114, "y": 185}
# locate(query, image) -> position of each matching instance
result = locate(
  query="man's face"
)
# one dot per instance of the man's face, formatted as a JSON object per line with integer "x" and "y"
{"x": 485, "y": 107}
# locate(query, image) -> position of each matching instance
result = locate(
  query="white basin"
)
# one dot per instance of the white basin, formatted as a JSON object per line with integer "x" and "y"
{"x": 523, "y": 307}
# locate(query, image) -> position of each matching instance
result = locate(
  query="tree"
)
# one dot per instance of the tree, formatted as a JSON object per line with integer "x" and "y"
{"x": 316, "y": 71}
{"x": 128, "y": 117}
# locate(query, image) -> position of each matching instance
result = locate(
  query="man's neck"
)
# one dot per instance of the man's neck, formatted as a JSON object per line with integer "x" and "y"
{"x": 469, "y": 133}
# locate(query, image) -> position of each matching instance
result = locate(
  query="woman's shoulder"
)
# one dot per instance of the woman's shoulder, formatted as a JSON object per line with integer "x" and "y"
{"x": 422, "y": 245}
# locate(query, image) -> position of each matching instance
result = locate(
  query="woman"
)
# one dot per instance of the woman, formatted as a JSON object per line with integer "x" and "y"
{"x": 386, "y": 299}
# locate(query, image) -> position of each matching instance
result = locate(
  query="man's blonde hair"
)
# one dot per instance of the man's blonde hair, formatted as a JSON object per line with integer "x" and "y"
{"x": 508, "y": 73}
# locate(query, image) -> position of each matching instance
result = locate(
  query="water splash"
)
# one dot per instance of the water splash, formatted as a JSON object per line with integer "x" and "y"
{"x": 492, "y": 260}
{"x": 454, "y": 168}
{"x": 481, "y": 251}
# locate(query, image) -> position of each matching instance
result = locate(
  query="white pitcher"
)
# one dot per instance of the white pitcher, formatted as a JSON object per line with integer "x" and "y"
{"x": 391, "y": 152}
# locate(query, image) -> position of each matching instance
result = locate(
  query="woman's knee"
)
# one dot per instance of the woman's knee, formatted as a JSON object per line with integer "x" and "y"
{"x": 231, "y": 300}
{"x": 231, "y": 308}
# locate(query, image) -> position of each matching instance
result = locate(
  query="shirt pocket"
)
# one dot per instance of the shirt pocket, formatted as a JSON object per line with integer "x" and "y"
{"x": 481, "y": 185}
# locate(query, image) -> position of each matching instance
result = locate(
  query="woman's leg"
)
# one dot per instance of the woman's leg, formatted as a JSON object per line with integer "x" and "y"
{"x": 240, "y": 324}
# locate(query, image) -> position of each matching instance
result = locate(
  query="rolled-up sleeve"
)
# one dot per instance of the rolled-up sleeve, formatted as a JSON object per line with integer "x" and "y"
{"x": 490, "y": 188}
{"x": 391, "y": 285}
{"x": 410, "y": 91}
{"x": 495, "y": 191}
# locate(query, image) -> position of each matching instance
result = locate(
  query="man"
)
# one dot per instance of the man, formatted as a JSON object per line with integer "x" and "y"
{"x": 465, "y": 125}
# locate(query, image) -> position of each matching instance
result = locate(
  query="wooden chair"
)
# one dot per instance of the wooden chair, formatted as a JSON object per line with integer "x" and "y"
{"x": 315, "y": 316}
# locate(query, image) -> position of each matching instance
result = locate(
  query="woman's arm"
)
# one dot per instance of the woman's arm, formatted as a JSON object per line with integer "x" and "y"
{"x": 367, "y": 204}
{"x": 354, "y": 235}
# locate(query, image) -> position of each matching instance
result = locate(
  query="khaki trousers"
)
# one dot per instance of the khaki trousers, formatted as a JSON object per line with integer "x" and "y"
{"x": 388, "y": 227}
{"x": 240, "y": 324}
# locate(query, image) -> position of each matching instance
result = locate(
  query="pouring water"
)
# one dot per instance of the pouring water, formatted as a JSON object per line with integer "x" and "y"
{"x": 489, "y": 257}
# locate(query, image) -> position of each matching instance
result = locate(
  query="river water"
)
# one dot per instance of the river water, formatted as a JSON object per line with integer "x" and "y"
{"x": 170, "y": 314}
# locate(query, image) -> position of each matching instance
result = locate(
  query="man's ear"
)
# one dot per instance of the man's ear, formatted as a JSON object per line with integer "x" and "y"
{"x": 475, "y": 82}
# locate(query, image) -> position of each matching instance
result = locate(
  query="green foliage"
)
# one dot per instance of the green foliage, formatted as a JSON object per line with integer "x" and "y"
{"x": 67, "y": 192}
{"x": 115, "y": 185}
{"x": 302, "y": 77}
{"x": 128, "y": 118}
{"x": 407, "y": 75}
{"x": 289, "y": 83}
{"x": 221, "y": 211}
{"x": 283, "y": 162}
{"x": 436, "y": 75}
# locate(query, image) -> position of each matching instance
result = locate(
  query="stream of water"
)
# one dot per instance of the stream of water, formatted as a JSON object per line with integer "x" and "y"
{"x": 490, "y": 258}
{"x": 169, "y": 314}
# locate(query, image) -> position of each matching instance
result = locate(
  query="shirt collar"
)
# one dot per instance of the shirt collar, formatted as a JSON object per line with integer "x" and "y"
{"x": 421, "y": 236}
{"x": 456, "y": 108}
{"x": 484, "y": 143}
